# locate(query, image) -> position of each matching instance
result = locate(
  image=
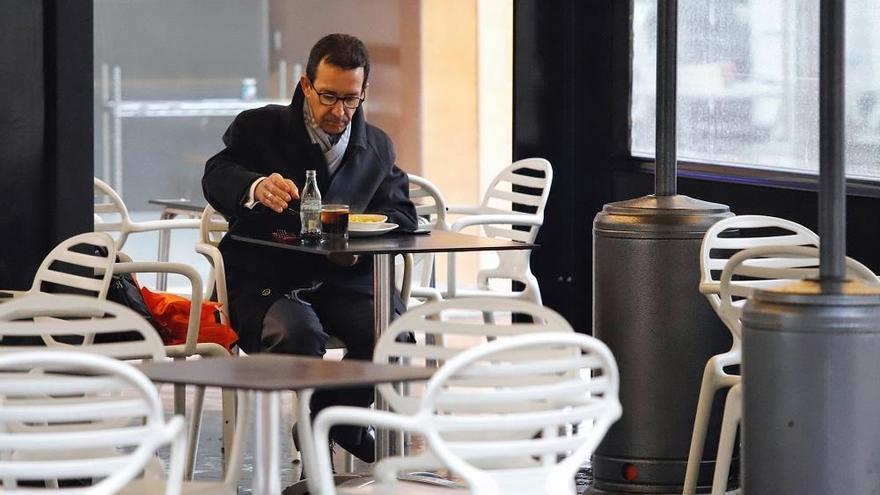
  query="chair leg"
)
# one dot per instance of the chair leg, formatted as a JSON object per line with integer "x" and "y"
{"x": 195, "y": 428}
{"x": 708, "y": 387}
{"x": 732, "y": 416}
{"x": 294, "y": 415}
{"x": 229, "y": 405}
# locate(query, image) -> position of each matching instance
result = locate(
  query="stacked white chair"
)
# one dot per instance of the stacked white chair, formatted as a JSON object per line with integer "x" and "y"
{"x": 738, "y": 255}
{"x": 498, "y": 219}
{"x": 513, "y": 416}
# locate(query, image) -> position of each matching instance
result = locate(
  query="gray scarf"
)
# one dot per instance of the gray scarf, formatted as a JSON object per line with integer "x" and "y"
{"x": 333, "y": 146}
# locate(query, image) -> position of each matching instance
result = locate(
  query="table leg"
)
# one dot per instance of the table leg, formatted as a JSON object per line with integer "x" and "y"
{"x": 267, "y": 467}
{"x": 164, "y": 248}
{"x": 382, "y": 318}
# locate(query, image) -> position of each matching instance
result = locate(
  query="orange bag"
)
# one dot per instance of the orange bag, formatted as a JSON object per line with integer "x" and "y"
{"x": 172, "y": 313}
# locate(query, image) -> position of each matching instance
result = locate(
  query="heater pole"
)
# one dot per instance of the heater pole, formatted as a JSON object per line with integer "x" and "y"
{"x": 665, "y": 169}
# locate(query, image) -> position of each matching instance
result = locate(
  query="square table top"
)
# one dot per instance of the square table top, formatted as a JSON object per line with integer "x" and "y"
{"x": 436, "y": 241}
{"x": 276, "y": 372}
{"x": 182, "y": 204}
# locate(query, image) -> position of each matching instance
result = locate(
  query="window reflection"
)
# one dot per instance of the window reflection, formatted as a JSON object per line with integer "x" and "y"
{"x": 748, "y": 83}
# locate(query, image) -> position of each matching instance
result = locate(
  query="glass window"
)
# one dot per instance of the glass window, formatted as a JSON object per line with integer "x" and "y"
{"x": 748, "y": 83}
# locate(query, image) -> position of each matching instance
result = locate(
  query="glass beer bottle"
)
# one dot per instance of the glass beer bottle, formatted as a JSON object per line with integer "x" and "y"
{"x": 310, "y": 208}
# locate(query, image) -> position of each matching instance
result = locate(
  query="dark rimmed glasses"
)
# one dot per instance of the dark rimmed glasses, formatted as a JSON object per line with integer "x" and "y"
{"x": 350, "y": 102}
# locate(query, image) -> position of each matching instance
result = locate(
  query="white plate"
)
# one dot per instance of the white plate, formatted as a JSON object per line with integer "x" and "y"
{"x": 370, "y": 229}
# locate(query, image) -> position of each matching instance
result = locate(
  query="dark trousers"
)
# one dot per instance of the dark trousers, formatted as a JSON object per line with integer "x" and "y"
{"x": 303, "y": 324}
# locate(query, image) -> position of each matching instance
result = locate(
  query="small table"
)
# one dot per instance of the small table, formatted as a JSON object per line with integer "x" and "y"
{"x": 383, "y": 248}
{"x": 269, "y": 374}
{"x": 171, "y": 209}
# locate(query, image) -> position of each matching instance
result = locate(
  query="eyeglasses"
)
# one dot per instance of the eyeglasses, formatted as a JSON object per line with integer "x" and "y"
{"x": 350, "y": 102}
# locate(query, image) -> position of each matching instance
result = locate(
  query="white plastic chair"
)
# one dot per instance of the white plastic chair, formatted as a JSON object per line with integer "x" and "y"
{"x": 726, "y": 237}
{"x": 72, "y": 415}
{"x": 419, "y": 269}
{"x": 78, "y": 265}
{"x": 111, "y": 215}
{"x": 212, "y": 228}
{"x": 765, "y": 267}
{"x": 513, "y": 416}
{"x": 785, "y": 257}
{"x": 66, "y": 322}
{"x": 444, "y": 329}
{"x": 498, "y": 219}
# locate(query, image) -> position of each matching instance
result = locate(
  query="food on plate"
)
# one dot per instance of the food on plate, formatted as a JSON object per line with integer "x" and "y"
{"x": 366, "y": 218}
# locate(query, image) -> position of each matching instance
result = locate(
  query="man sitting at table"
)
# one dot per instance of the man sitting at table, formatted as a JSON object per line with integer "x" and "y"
{"x": 290, "y": 302}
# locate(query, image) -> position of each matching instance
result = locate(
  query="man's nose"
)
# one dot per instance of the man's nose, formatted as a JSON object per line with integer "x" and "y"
{"x": 338, "y": 109}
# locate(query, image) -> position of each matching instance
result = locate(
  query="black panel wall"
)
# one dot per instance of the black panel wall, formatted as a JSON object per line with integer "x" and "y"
{"x": 46, "y": 134}
{"x": 568, "y": 110}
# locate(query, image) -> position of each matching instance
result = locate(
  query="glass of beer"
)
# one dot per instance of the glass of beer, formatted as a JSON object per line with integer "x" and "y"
{"x": 334, "y": 222}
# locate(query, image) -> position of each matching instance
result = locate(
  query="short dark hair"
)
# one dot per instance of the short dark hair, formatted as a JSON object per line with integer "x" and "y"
{"x": 343, "y": 51}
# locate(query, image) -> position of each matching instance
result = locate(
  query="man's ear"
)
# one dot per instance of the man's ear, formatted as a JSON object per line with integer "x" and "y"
{"x": 305, "y": 84}
{"x": 364, "y": 91}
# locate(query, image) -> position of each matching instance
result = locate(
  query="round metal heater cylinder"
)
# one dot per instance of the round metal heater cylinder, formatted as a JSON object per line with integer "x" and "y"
{"x": 648, "y": 309}
{"x": 811, "y": 400}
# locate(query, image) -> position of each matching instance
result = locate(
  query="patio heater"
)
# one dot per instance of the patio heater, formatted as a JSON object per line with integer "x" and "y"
{"x": 810, "y": 350}
{"x": 648, "y": 309}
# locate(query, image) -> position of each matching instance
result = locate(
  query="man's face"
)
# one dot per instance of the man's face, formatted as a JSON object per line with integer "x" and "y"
{"x": 330, "y": 79}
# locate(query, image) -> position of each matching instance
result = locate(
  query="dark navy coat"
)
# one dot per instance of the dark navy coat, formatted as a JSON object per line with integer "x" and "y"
{"x": 274, "y": 139}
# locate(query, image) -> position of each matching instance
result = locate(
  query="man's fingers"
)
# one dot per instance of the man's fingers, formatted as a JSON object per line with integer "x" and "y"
{"x": 292, "y": 189}
{"x": 277, "y": 191}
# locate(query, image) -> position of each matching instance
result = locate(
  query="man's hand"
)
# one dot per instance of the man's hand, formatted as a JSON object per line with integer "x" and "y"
{"x": 275, "y": 192}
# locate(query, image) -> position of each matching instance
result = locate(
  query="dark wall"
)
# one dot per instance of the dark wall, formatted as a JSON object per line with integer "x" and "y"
{"x": 46, "y": 130}
{"x": 568, "y": 110}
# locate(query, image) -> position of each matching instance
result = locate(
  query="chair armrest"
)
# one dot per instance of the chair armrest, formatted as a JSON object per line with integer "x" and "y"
{"x": 506, "y": 219}
{"x": 195, "y": 311}
{"x": 347, "y": 415}
{"x": 215, "y": 258}
{"x": 464, "y": 209}
{"x": 13, "y": 293}
{"x": 176, "y": 223}
{"x": 428, "y": 293}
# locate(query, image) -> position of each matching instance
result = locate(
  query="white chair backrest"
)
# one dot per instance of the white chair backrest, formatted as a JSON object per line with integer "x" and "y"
{"x": 523, "y": 413}
{"x": 213, "y": 226}
{"x": 431, "y": 209}
{"x": 733, "y": 234}
{"x": 429, "y": 202}
{"x": 71, "y": 415}
{"x": 445, "y": 328}
{"x": 766, "y": 267}
{"x": 500, "y": 195}
{"x": 80, "y": 264}
{"x": 33, "y": 322}
{"x": 110, "y": 212}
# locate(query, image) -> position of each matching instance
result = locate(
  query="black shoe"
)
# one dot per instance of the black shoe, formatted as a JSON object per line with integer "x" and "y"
{"x": 302, "y": 474}
{"x": 359, "y": 441}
